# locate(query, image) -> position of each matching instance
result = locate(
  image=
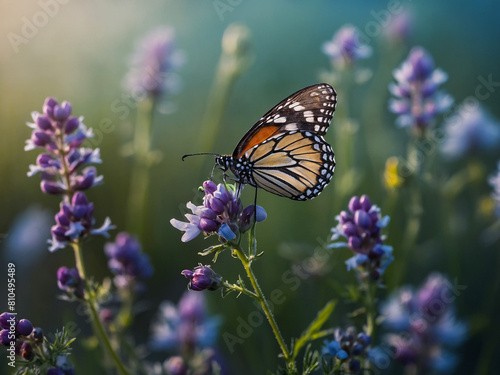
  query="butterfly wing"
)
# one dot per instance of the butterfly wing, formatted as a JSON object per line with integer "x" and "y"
{"x": 310, "y": 109}
{"x": 296, "y": 164}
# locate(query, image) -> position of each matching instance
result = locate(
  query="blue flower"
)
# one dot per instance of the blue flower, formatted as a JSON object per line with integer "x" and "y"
{"x": 417, "y": 98}
{"x": 127, "y": 261}
{"x": 361, "y": 227}
{"x": 495, "y": 184}
{"x": 348, "y": 347}
{"x": 186, "y": 326}
{"x": 471, "y": 130}
{"x": 423, "y": 327}
{"x": 346, "y": 48}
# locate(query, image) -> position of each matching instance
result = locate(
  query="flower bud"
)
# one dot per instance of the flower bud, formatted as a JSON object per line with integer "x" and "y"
{"x": 24, "y": 327}
{"x": 203, "y": 278}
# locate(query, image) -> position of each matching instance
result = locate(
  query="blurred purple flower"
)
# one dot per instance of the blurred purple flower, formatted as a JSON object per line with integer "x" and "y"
{"x": 417, "y": 98}
{"x": 469, "y": 131}
{"x": 203, "y": 278}
{"x": 400, "y": 27}
{"x": 361, "y": 227}
{"x": 348, "y": 348}
{"x": 69, "y": 280}
{"x": 152, "y": 66}
{"x": 221, "y": 214}
{"x": 185, "y": 327}
{"x": 495, "y": 184}
{"x": 175, "y": 366}
{"x": 346, "y": 47}
{"x": 127, "y": 261}
{"x": 424, "y": 325}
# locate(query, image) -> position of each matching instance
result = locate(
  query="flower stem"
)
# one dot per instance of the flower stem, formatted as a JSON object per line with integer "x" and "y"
{"x": 259, "y": 297}
{"x": 91, "y": 303}
{"x": 139, "y": 182}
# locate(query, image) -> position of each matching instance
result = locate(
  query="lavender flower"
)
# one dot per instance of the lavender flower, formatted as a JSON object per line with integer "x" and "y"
{"x": 203, "y": 278}
{"x": 361, "y": 227}
{"x": 61, "y": 135}
{"x": 424, "y": 325}
{"x": 469, "y": 131}
{"x": 152, "y": 66}
{"x": 127, "y": 261}
{"x": 75, "y": 221}
{"x": 348, "y": 348}
{"x": 346, "y": 48}
{"x": 418, "y": 100}
{"x": 495, "y": 184}
{"x": 186, "y": 326}
{"x": 175, "y": 366}
{"x": 400, "y": 27}
{"x": 69, "y": 280}
{"x": 221, "y": 214}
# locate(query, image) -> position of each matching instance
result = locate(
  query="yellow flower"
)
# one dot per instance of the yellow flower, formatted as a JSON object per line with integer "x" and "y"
{"x": 392, "y": 180}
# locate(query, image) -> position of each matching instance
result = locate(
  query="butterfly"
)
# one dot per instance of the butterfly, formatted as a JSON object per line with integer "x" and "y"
{"x": 285, "y": 153}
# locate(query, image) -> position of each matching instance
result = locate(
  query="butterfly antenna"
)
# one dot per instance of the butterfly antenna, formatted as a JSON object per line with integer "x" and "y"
{"x": 200, "y": 153}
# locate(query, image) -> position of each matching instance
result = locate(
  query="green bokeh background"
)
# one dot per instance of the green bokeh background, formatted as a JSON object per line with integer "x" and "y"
{"x": 81, "y": 55}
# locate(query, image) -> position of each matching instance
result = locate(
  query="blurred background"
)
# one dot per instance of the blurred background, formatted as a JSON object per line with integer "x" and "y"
{"x": 80, "y": 52}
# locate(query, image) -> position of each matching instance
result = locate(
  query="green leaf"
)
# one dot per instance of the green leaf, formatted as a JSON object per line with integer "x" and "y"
{"x": 314, "y": 327}
{"x": 212, "y": 249}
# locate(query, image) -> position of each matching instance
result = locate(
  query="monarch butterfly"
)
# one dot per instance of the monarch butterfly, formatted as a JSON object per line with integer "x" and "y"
{"x": 285, "y": 153}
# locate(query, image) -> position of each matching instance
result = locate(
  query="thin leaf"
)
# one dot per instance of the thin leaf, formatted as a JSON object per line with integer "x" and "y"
{"x": 314, "y": 327}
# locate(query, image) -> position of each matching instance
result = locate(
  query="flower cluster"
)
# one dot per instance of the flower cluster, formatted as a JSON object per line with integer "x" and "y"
{"x": 346, "y": 48}
{"x": 75, "y": 220}
{"x": 470, "y": 130}
{"x": 127, "y": 261}
{"x": 186, "y": 327}
{"x": 61, "y": 135}
{"x": 203, "y": 277}
{"x": 16, "y": 334}
{"x": 418, "y": 100}
{"x": 424, "y": 323}
{"x": 151, "y": 68}
{"x": 362, "y": 229}
{"x": 348, "y": 348}
{"x": 69, "y": 280}
{"x": 495, "y": 183}
{"x": 221, "y": 213}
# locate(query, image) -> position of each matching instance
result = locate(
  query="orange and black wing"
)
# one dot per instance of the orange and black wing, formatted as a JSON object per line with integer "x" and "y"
{"x": 310, "y": 109}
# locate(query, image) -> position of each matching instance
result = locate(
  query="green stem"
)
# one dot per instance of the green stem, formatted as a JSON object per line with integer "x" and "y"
{"x": 259, "y": 297}
{"x": 91, "y": 303}
{"x": 139, "y": 182}
{"x": 239, "y": 289}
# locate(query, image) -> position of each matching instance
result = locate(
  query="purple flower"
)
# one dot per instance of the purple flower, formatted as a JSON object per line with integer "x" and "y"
{"x": 175, "y": 366}
{"x": 61, "y": 135}
{"x": 24, "y": 327}
{"x": 417, "y": 98}
{"x": 69, "y": 280}
{"x": 152, "y": 67}
{"x": 127, "y": 261}
{"x": 471, "y": 130}
{"x": 346, "y": 48}
{"x": 361, "y": 227}
{"x": 423, "y": 325}
{"x": 400, "y": 27}
{"x": 221, "y": 214}
{"x": 6, "y": 320}
{"x": 495, "y": 184}
{"x": 75, "y": 221}
{"x": 348, "y": 348}
{"x": 186, "y": 326}
{"x": 203, "y": 278}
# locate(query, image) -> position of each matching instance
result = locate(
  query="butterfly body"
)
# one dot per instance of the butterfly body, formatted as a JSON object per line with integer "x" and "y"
{"x": 285, "y": 152}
